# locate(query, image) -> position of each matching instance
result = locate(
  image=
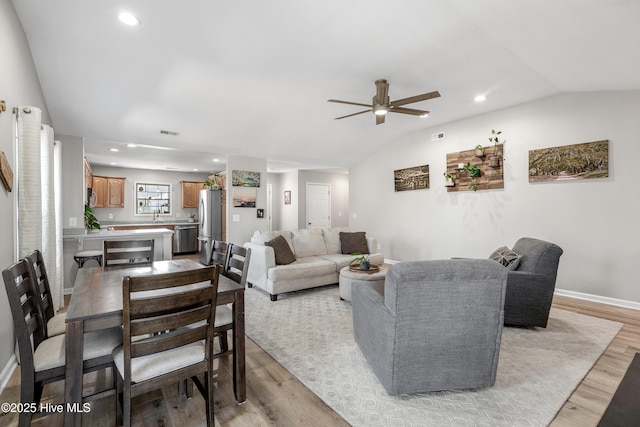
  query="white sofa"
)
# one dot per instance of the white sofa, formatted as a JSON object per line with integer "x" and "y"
{"x": 318, "y": 260}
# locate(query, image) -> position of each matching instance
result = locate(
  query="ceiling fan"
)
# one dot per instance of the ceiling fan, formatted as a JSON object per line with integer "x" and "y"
{"x": 381, "y": 104}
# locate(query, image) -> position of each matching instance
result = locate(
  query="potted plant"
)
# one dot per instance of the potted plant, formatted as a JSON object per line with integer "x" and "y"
{"x": 494, "y": 160}
{"x": 474, "y": 173}
{"x": 479, "y": 151}
{"x": 362, "y": 260}
{"x": 91, "y": 223}
{"x": 450, "y": 180}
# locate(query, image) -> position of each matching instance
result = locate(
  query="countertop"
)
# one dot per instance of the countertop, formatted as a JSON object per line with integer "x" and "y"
{"x": 109, "y": 234}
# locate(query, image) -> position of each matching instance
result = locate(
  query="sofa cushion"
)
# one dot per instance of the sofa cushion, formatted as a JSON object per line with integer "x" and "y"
{"x": 351, "y": 243}
{"x": 302, "y": 268}
{"x": 260, "y": 237}
{"x": 506, "y": 257}
{"x": 332, "y": 239}
{"x": 282, "y": 251}
{"x": 308, "y": 242}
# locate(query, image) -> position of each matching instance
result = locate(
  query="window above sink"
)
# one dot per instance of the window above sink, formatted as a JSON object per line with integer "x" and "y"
{"x": 152, "y": 198}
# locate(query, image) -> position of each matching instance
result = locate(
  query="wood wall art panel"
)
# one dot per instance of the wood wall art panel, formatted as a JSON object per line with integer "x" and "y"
{"x": 490, "y": 178}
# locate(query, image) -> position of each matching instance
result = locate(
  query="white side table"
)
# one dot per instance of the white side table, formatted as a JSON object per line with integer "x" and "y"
{"x": 349, "y": 278}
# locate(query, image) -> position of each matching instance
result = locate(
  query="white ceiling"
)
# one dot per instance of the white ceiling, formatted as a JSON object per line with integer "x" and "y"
{"x": 252, "y": 77}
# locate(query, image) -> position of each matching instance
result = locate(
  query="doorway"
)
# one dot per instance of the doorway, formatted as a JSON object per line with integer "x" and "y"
{"x": 318, "y": 205}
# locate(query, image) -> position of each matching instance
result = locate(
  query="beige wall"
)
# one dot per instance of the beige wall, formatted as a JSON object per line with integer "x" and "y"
{"x": 18, "y": 86}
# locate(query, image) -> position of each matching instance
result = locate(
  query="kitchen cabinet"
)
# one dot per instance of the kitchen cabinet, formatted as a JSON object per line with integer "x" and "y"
{"x": 88, "y": 178}
{"x": 190, "y": 190}
{"x": 109, "y": 191}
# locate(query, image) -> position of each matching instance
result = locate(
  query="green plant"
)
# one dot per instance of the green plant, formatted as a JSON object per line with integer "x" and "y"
{"x": 474, "y": 173}
{"x": 363, "y": 260}
{"x": 479, "y": 147}
{"x": 449, "y": 177}
{"x": 212, "y": 182}
{"x": 90, "y": 220}
{"x": 495, "y": 140}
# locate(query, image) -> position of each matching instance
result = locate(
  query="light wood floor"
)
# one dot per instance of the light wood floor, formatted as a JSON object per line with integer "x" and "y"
{"x": 275, "y": 397}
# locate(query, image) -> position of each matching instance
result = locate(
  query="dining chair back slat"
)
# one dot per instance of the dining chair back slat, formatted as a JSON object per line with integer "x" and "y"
{"x": 122, "y": 252}
{"x": 43, "y": 285}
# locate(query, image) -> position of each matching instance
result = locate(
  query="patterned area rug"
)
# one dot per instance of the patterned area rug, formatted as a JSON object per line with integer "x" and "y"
{"x": 310, "y": 333}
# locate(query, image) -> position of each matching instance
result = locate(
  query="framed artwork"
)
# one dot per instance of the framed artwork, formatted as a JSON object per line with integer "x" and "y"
{"x": 287, "y": 197}
{"x": 6, "y": 174}
{"x": 245, "y": 179}
{"x": 260, "y": 213}
{"x": 570, "y": 162}
{"x": 415, "y": 178}
{"x": 244, "y": 197}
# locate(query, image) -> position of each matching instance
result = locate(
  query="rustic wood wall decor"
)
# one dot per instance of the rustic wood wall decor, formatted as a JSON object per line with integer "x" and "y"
{"x": 415, "y": 178}
{"x": 490, "y": 177}
{"x": 570, "y": 162}
{"x": 6, "y": 174}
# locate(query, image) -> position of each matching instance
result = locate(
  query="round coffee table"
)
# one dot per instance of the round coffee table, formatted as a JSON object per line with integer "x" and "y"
{"x": 349, "y": 278}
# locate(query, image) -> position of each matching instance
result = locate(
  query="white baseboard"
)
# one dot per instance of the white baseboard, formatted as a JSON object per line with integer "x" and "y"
{"x": 597, "y": 298}
{"x": 6, "y": 373}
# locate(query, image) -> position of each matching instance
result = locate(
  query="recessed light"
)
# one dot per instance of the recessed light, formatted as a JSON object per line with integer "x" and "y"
{"x": 480, "y": 98}
{"x": 115, "y": 150}
{"x": 129, "y": 19}
{"x": 424, "y": 115}
{"x": 112, "y": 163}
{"x": 195, "y": 170}
{"x": 131, "y": 145}
{"x": 216, "y": 160}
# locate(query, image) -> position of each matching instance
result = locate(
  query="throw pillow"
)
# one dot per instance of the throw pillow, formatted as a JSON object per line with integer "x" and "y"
{"x": 506, "y": 257}
{"x": 284, "y": 254}
{"x": 354, "y": 242}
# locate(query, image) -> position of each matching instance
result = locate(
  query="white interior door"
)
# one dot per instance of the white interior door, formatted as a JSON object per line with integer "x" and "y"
{"x": 318, "y": 205}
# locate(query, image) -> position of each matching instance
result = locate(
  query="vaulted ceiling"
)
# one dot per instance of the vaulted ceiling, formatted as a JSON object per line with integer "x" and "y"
{"x": 252, "y": 77}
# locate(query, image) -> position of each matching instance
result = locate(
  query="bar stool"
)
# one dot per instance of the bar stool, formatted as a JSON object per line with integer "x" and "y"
{"x": 83, "y": 256}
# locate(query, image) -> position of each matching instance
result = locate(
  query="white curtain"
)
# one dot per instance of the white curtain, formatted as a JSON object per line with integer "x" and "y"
{"x": 39, "y": 201}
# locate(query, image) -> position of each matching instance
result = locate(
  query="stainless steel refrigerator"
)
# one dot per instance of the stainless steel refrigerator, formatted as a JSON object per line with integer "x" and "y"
{"x": 210, "y": 216}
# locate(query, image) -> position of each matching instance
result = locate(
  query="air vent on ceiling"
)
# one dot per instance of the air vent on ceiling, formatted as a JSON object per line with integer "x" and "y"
{"x": 169, "y": 132}
{"x": 437, "y": 136}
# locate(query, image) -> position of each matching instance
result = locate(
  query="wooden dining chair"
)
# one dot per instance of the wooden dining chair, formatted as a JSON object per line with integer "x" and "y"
{"x": 150, "y": 358}
{"x": 42, "y": 359}
{"x": 235, "y": 268}
{"x": 123, "y": 252}
{"x": 54, "y": 323}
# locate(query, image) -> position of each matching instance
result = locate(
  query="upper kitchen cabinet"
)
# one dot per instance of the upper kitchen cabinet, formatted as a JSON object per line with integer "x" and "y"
{"x": 109, "y": 191}
{"x": 190, "y": 190}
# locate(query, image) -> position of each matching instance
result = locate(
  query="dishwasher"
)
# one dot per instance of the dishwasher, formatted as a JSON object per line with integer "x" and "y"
{"x": 185, "y": 238}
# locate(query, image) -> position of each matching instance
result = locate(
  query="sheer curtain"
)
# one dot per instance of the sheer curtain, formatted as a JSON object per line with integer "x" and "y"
{"x": 39, "y": 190}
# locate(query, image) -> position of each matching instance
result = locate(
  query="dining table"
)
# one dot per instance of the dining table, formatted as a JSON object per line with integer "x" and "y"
{"x": 96, "y": 304}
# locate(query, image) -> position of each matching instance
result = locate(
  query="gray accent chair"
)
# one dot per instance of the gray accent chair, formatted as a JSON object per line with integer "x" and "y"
{"x": 432, "y": 325}
{"x": 530, "y": 286}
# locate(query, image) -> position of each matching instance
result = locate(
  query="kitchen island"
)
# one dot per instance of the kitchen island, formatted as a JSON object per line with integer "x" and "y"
{"x": 73, "y": 242}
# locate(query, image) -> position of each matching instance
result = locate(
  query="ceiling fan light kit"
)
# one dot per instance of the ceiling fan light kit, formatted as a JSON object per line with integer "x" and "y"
{"x": 381, "y": 105}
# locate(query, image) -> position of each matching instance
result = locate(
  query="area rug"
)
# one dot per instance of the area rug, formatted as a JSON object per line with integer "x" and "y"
{"x": 310, "y": 333}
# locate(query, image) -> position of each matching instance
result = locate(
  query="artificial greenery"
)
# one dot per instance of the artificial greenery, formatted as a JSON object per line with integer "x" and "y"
{"x": 90, "y": 220}
{"x": 363, "y": 260}
{"x": 449, "y": 176}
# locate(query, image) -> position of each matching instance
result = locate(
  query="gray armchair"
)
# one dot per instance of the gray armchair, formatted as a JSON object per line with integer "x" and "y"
{"x": 530, "y": 287}
{"x": 433, "y": 325}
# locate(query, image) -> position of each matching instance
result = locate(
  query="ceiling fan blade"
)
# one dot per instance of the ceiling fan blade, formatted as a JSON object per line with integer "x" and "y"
{"x": 354, "y": 114}
{"x": 349, "y": 102}
{"x": 380, "y": 119}
{"x": 411, "y": 111}
{"x": 417, "y": 98}
{"x": 382, "y": 92}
